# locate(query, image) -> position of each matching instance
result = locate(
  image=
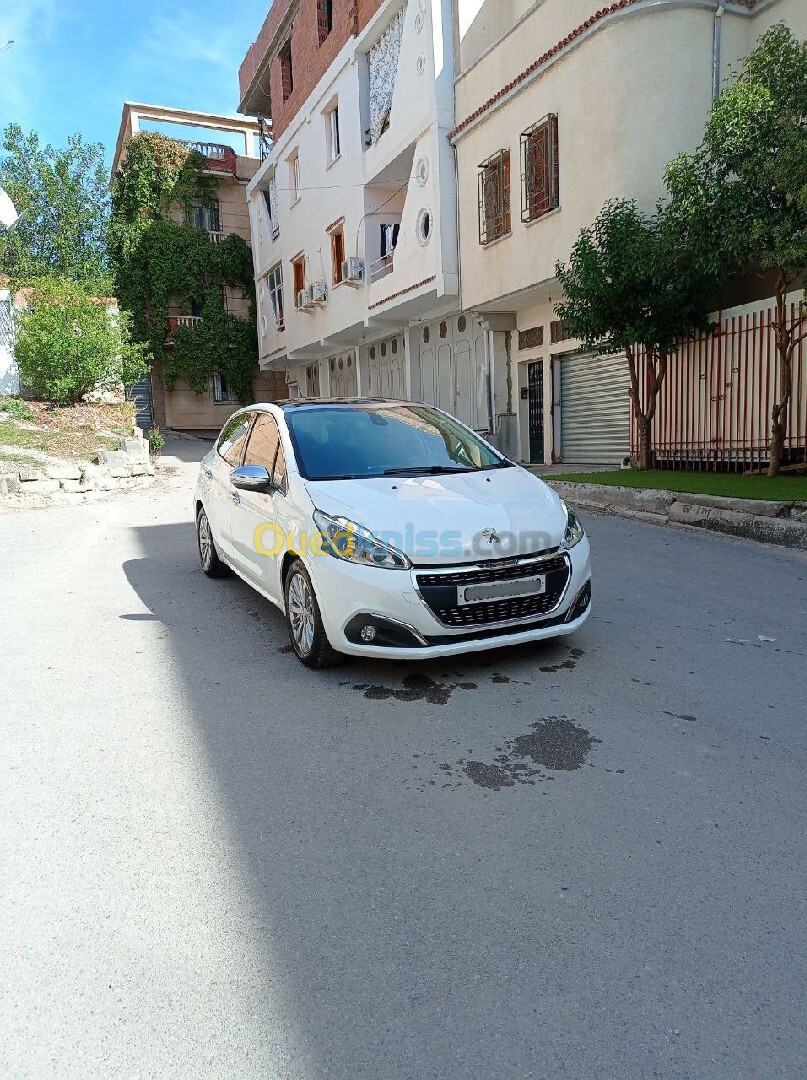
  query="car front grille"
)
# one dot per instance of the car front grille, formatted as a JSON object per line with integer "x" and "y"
{"x": 440, "y": 593}
{"x": 498, "y": 570}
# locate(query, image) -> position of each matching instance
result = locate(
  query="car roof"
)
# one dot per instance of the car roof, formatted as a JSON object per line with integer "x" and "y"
{"x": 308, "y": 403}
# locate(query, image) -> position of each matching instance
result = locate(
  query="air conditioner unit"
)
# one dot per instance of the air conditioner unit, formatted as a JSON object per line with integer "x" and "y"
{"x": 319, "y": 292}
{"x": 304, "y": 299}
{"x": 353, "y": 271}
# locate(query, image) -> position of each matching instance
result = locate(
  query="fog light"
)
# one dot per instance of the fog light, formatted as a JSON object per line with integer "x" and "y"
{"x": 368, "y": 633}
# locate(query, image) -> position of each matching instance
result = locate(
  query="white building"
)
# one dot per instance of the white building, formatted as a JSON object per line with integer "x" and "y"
{"x": 353, "y": 211}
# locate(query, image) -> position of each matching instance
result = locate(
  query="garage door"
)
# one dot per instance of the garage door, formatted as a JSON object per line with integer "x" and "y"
{"x": 386, "y": 375}
{"x": 594, "y": 410}
{"x": 453, "y": 371}
{"x": 343, "y": 376}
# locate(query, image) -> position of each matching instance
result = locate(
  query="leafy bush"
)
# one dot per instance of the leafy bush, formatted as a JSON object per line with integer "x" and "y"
{"x": 69, "y": 343}
{"x": 156, "y": 440}
{"x": 17, "y": 409}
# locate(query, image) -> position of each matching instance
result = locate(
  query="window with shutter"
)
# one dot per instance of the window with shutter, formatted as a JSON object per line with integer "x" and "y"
{"x": 539, "y": 169}
{"x": 494, "y": 197}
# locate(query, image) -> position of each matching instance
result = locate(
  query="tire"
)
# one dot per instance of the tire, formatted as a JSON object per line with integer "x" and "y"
{"x": 208, "y": 555}
{"x": 306, "y": 632}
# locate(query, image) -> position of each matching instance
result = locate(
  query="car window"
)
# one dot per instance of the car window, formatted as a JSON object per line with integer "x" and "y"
{"x": 263, "y": 443}
{"x": 232, "y": 439}
{"x": 279, "y": 475}
{"x": 375, "y": 440}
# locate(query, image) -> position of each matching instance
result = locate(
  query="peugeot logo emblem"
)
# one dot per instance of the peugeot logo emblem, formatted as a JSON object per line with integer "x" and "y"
{"x": 491, "y": 536}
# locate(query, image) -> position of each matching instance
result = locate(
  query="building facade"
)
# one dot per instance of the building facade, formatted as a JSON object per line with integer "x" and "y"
{"x": 182, "y": 408}
{"x": 354, "y": 208}
{"x": 560, "y": 106}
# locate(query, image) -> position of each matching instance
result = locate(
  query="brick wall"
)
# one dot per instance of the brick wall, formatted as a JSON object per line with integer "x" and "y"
{"x": 310, "y": 59}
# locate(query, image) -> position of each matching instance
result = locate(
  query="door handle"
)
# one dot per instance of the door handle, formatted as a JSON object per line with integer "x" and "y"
{"x": 236, "y": 496}
{"x": 208, "y": 473}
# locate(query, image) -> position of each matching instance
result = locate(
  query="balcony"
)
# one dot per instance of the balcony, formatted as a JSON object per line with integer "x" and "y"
{"x": 219, "y": 158}
{"x": 174, "y": 321}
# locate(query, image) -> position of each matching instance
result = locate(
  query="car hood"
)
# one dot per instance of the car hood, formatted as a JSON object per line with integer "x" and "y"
{"x": 442, "y": 519}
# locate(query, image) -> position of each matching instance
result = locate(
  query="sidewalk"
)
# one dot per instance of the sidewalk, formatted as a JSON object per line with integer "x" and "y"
{"x": 780, "y": 523}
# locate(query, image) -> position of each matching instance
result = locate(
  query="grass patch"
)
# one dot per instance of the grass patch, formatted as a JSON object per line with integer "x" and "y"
{"x": 18, "y": 459}
{"x": 731, "y": 485}
{"x": 78, "y": 431}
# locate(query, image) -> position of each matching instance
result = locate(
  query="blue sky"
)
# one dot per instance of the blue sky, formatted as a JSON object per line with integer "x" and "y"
{"x": 74, "y": 62}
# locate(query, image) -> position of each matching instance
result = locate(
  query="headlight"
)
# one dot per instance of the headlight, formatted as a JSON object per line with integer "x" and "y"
{"x": 574, "y": 530}
{"x": 347, "y": 540}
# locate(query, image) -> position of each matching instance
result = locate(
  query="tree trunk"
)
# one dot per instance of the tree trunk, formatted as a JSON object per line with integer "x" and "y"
{"x": 786, "y": 341}
{"x": 656, "y": 370}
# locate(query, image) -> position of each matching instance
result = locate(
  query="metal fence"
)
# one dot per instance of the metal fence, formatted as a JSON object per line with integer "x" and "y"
{"x": 714, "y": 406}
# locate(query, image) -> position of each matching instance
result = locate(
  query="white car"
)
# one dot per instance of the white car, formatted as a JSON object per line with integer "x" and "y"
{"x": 388, "y": 528}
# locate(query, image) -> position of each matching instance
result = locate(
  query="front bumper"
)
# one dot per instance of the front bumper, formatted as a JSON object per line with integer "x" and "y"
{"x": 351, "y": 595}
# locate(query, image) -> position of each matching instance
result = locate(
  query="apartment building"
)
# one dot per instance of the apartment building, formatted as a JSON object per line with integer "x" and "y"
{"x": 562, "y": 105}
{"x": 353, "y": 209}
{"x": 182, "y": 408}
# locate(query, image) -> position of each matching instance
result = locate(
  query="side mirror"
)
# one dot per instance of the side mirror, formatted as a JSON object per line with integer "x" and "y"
{"x": 251, "y": 478}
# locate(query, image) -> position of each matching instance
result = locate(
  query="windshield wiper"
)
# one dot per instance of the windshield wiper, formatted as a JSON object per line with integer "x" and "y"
{"x": 428, "y": 470}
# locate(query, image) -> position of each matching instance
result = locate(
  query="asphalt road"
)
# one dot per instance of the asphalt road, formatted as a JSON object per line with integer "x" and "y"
{"x": 584, "y": 860}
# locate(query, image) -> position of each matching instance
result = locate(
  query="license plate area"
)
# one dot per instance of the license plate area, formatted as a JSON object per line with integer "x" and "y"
{"x": 501, "y": 590}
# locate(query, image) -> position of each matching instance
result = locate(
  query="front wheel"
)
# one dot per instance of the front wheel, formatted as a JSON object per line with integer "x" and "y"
{"x": 306, "y": 632}
{"x": 208, "y": 555}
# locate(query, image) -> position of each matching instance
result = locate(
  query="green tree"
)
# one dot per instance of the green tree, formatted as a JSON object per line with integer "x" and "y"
{"x": 740, "y": 199}
{"x": 630, "y": 287}
{"x": 161, "y": 263}
{"x": 62, "y": 197}
{"x": 68, "y": 343}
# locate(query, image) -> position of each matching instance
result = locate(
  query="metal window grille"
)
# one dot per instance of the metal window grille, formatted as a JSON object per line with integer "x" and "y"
{"x": 6, "y": 324}
{"x": 494, "y": 197}
{"x": 324, "y": 19}
{"x": 539, "y": 169}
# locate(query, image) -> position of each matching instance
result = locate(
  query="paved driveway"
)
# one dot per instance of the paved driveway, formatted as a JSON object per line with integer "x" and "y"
{"x": 583, "y": 860}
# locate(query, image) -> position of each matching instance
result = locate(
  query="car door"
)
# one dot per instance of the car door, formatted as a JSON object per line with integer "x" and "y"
{"x": 218, "y": 467}
{"x": 259, "y": 510}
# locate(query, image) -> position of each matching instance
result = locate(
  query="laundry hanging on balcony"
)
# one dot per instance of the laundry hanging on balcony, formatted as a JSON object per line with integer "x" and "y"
{"x": 383, "y": 64}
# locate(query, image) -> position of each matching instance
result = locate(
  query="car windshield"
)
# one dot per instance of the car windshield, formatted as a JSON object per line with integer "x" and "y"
{"x": 348, "y": 442}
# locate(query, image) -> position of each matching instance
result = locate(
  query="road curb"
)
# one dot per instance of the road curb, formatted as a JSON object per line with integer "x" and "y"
{"x": 783, "y": 524}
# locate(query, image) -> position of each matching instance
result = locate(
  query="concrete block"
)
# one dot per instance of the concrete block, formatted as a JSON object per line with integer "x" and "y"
{"x": 29, "y": 474}
{"x": 77, "y": 485}
{"x": 138, "y": 468}
{"x": 64, "y": 472}
{"x": 767, "y": 530}
{"x": 133, "y": 447}
{"x": 104, "y": 483}
{"x": 39, "y": 487}
{"x": 112, "y": 458}
{"x": 119, "y": 471}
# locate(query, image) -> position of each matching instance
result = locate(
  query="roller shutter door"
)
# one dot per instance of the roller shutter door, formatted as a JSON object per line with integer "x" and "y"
{"x": 594, "y": 410}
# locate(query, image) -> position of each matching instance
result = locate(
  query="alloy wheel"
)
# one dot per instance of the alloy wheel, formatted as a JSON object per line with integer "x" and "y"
{"x": 301, "y": 614}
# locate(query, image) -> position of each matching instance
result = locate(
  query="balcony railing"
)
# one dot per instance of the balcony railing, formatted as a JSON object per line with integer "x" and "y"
{"x": 381, "y": 267}
{"x": 175, "y": 321}
{"x": 218, "y": 156}
{"x": 216, "y": 237}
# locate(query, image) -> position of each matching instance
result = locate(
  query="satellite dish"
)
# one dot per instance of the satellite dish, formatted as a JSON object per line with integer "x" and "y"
{"x": 8, "y": 215}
